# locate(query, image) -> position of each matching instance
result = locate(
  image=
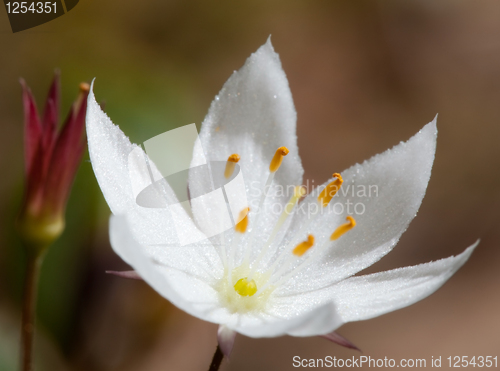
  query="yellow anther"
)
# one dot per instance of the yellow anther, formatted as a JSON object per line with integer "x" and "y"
{"x": 302, "y": 247}
{"x": 351, "y": 223}
{"x": 278, "y": 158}
{"x": 245, "y": 288}
{"x": 242, "y": 225}
{"x": 230, "y": 164}
{"x": 330, "y": 190}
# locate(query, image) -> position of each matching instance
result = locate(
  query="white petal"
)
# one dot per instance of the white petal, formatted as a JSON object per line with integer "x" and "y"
{"x": 109, "y": 149}
{"x": 252, "y": 116}
{"x": 318, "y": 321}
{"x": 121, "y": 171}
{"x": 369, "y": 296}
{"x": 321, "y": 321}
{"x": 119, "y": 168}
{"x": 398, "y": 179}
{"x": 187, "y": 287}
{"x": 364, "y": 297}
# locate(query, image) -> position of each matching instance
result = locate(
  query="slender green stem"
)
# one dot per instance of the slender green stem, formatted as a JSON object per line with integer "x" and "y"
{"x": 217, "y": 360}
{"x": 29, "y": 310}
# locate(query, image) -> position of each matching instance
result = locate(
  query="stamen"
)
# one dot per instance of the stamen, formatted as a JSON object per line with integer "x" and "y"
{"x": 335, "y": 185}
{"x": 298, "y": 192}
{"x": 351, "y": 223}
{"x": 230, "y": 164}
{"x": 330, "y": 190}
{"x": 245, "y": 287}
{"x": 302, "y": 247}
{"x": 242, "y": 225}
{"x": 323, "y": 202}
{"x": 298, "y": 251}
{"x": 273, "y": 167}
{"x": 240, "y": 228}
{"x": 309, "y": 259}
{"x": 277, "y": 159}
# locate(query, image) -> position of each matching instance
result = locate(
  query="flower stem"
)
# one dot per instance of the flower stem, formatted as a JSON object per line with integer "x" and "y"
{"x": 29, "y": 310}
{"x": 217, "y": 360}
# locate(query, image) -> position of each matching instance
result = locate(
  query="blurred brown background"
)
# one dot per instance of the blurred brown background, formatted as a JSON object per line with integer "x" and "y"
{"x": 364, "y": 75}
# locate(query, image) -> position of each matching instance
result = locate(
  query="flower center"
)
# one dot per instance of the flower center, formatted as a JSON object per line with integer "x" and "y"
{"x": 242, "y": 297}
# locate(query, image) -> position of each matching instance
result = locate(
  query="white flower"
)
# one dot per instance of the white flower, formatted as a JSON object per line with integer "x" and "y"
{"x": 305, "y": 293}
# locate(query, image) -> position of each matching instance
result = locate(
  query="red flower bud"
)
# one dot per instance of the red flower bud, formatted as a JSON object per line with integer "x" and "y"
{"x": 51, "y": 160}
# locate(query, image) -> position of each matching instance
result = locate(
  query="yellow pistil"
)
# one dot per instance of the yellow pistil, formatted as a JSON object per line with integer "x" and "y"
{"x": 242, "y": 225}
{"x": 277, "y": 159}
{"x": 351, "y": 223}
{"x": 241, "y": 293}
{"x": 302, "y": 247}
{"x": 330, "y": 190}
{"x": 245, "y": 288}
{"x": 230, "y": 164}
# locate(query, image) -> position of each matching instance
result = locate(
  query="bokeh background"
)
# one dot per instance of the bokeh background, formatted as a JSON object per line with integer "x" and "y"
{"x": 364, "y": 76}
